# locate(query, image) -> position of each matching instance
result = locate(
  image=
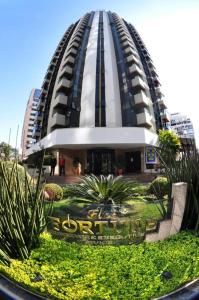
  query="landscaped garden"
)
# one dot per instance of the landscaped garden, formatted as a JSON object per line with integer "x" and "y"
{"x": 131, "y": 269}
{"x": 71, "y": 271}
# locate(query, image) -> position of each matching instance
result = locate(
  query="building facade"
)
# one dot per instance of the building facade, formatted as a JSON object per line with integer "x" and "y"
{"x": 31, "y": 115}
{"x": 101, "y": 100}
{"x": 183, "y": 126}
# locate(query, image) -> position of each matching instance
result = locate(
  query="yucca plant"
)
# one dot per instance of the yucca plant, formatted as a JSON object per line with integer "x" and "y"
{"x": 22, "y": 214}
{"x": 102, "y": 189}
{"x": 185, "y": 169}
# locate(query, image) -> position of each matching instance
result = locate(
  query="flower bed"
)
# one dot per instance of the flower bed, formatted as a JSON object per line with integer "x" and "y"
{"x": 61, "y": 270}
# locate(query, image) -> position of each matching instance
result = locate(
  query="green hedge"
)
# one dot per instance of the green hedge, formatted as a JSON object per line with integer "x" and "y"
{"x": 54, "y": 190}
{"x": 159, "y": 187}
{"x": 75, "y": 272}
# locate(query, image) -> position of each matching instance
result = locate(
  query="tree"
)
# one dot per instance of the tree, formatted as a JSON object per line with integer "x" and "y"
{"x": 5, "y": 150}
{"x": 169, "y": 141}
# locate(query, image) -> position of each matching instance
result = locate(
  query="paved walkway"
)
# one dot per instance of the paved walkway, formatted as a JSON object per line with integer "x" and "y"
{"x": 142, "y": 178}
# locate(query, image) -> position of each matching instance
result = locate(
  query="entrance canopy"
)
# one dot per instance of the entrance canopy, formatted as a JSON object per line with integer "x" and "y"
{"x": 87, "y": 138}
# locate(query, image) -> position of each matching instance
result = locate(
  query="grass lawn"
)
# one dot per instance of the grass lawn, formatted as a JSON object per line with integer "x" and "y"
{"x": 75, "y": 272}
{"x": 142, "y": 209}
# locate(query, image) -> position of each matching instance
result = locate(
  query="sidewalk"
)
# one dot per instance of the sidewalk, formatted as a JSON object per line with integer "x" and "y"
{"x": 142, "y": 178}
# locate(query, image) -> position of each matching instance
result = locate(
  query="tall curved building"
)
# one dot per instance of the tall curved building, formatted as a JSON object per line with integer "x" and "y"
{"x": 101, "y": 100}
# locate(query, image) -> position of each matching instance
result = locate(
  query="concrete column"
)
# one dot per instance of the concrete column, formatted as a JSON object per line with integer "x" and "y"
{"x": 173, "y": 225}
{"x": 112, "y": 96}
{"x": 56, "y": 154}
{"x": 179, "y": 193}
{"x": 142, "y": 160}
{"x": 87, "y": 113}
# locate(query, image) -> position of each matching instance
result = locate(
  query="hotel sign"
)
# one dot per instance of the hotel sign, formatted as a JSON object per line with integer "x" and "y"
{"x": 110, "y": 228}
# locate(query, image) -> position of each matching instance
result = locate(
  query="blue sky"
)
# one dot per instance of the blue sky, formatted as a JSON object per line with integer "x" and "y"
{"x": 31, "y": 29}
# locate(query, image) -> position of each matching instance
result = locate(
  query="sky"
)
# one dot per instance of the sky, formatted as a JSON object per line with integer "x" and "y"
{"x": 30, "y": 31}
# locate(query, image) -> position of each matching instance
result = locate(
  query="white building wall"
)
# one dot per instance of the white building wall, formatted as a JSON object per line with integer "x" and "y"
{"x": 84, "y": 138}
{"x": 87, "y": 114}
{"x": 112, "y": 93}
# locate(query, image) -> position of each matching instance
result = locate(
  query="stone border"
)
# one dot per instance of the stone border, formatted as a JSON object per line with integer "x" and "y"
{"x": 189, "y": 291}
{"x": 171, "y": 226}
{"x": 10, "y": 290}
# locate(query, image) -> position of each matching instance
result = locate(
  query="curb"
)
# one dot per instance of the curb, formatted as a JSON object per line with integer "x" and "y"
{"x": 189, "y": 291}
{"x": 10, "y": 290}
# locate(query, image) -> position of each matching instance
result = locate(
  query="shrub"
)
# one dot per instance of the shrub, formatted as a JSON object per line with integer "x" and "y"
{"x": 186, "y": 169}
{"x": 22, "y": 215}
{"x": 103, "y": 189}
{"x": 65, "y": 190}
{"x": 141, "y": 189}
{"x": 21, "y": 171}
{"x": 54, "y": 191}
{"x": 72, "y": 271}
{"x": 159, "y": 187}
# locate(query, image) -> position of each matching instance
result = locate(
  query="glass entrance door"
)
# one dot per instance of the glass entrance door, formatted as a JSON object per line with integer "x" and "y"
{"x": 133, "y": 161}
{"x": 100, "y": 161}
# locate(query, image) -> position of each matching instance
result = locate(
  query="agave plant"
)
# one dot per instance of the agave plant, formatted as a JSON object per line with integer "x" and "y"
{"x": 185, "y": 169}
{"x": 104, "y": 190}
{"x": 22, "y": 214}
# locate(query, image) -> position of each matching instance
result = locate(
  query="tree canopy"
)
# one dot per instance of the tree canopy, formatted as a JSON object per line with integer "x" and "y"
{"x": 5, "y": 150}
{"x": 169, "y": 141}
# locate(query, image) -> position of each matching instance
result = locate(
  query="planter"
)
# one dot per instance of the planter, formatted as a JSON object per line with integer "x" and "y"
{"x": 120, "y": 171}
{"x": 78, "y": 170}
{"x": 10, "y": 290}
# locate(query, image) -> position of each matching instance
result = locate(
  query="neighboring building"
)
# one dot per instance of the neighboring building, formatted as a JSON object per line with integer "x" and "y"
{"x": 183, "y": 126}
{"x": 101, "y": 99}
{"x": 30, "y": 117}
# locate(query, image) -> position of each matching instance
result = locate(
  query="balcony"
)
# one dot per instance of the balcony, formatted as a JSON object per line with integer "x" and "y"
{"x": 60, "y": 100}
{"x": 137, "y": 82}
{"x": 134, "y": 69}
{"x": 75, "y": 44}
{"x": 122, "y": 30}
{"x": 38, "y": 117}
{"x": 122, "y": 34}
{"x": 64, "y": 83}
{"x": 125, "y": 44}
{"x": 161, "y": 103}
{"x": 128, "y": 43}
{"x": 128, "y": 50}
{"x": 132, "y": 58}
{"x": 144, "y": 119}
{"x": 69, "y": 59}
{"x": 66, "y": 70}
{"x": 58, "y": 120}
{"x": 165, "y": 117}
{"x": 123, "y": 38}
{"x": 77, "y": 38}
{"x": 73, "y": 51}
{"x": 36, "y": 132}
{"x": 41, "y": 104}
{"x": 48, "y": 75}
{"x": 141, "y": 100}
{"x": 158, "y": 92}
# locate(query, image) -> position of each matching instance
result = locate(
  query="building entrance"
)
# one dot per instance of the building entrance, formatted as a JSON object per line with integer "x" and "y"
{"x": 100, "y": 161}
{"x": 133, "y": 161}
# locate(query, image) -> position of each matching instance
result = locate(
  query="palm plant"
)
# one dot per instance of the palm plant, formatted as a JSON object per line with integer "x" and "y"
{"x": 102, "y": 190}
{"x": 22, "y": 214}
{"x": 185, "y": 169}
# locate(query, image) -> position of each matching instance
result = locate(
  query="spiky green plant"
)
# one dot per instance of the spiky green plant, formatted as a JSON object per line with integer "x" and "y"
{"x": 22, "y": 214}
{"x": 185, "y": 169}
{"x": 102, "y": 189}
